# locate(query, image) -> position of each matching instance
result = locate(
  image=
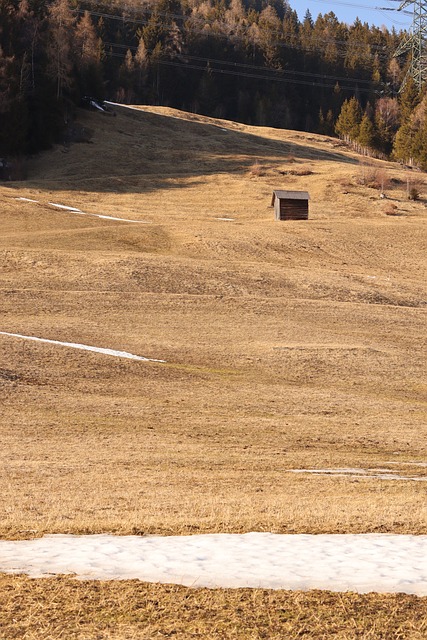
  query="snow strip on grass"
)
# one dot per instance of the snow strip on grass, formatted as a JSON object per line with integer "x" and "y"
{"x": 76, "y": 345}
{"x": 96, "y": 215}
{"x": 84, "y": 213}
{"x": 225, "y": 219}
{"x": 67, "y": 208}
{"x": 384, "y": 563}
{"x": 382, "y": 474}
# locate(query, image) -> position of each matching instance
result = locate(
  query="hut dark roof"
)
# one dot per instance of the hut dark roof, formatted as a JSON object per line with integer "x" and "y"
{"x": 289, "y": 195}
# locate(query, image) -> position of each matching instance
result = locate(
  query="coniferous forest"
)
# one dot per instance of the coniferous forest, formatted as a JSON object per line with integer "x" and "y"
{"x": 252, "y": 61}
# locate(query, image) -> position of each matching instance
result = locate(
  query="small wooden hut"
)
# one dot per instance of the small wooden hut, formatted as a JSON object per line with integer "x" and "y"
{"x": 290, "y": 205}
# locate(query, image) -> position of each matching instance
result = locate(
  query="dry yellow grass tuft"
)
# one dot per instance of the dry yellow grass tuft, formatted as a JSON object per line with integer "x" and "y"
{"x": 288, "y": 345}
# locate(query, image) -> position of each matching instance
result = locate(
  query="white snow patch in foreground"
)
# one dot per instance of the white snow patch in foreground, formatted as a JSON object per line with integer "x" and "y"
{"x": 226, "y": 219}
{"x": 384, "y": 563}
{"x": 27, "y": 199}
{"x": 76, "y": 345}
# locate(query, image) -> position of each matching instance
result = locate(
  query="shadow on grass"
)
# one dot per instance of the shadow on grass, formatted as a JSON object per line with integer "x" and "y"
{"x": 140, "y": 151}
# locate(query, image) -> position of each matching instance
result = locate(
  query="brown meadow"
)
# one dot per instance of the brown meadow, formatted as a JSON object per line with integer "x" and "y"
{"x": 288, "y": 345}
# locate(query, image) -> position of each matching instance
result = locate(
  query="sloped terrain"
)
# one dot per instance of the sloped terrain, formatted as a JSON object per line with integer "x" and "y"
{"x": 288, "y": 345}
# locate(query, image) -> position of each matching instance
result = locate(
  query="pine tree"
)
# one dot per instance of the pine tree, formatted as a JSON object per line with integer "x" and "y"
{"x": 60, "y": 67}
{"x": 327, "y": 33}
{"x": 386, "y": 123}
{"x": 269, "y": 34}
{"x": 306, "y": 33}
{"x": 421, "y": 144}
{"x": 127, "y": 78}
{"x": 88, "y": 47}
{"x": 308, "y": 20}
{"x": 358, "y": 51}
{"x": 141, "y": 61}
{"x": 394, "y": 73}
{"x": 409, "y": 98}
{"x": 403, "y": 144}
{"x": 348, "y": 123}
{"x": 366, "y": 135}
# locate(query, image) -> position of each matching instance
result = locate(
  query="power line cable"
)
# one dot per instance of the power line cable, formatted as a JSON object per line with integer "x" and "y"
{"x": 257, "y": 67}
{"x": 209, "y": 69}
{"x": 272, "y": 73}
{"x": 345, "y": 43}
{"x": 359, "y": 6}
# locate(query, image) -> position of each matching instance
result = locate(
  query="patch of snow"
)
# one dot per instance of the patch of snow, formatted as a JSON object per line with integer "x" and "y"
{"x": 227, "y": 219}
{"x": 84, "y": 213}
{"x": 64, "y": 206}
{"x": 96, "y": 215}
{"x": 329, "y": 471}
{"x": 84, "y": 347}
{"x": 394, "y": 476}
{"x": 363, "y": 563}
{"x": 381, "y": 474}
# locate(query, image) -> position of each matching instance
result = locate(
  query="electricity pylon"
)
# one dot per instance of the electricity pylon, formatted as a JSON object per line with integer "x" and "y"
{"x": 416, "y": 42}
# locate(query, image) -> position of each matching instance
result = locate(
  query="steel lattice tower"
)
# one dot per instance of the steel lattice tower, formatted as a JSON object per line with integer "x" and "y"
{"x": 416, "y": 42}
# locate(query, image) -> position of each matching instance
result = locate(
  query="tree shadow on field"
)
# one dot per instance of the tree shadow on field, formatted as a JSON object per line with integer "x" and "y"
{"x": 140, "y": 151}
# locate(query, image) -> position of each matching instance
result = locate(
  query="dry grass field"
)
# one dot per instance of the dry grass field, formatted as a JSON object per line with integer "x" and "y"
{"x": 132, "y": 610}
{"x": 288, "y": 346}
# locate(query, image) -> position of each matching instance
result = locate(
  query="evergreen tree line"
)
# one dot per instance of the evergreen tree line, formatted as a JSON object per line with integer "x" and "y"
{"x": 252, "y": 61}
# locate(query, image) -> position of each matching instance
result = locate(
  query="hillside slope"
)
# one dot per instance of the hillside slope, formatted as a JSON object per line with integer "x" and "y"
{"x": 288, "y": 345}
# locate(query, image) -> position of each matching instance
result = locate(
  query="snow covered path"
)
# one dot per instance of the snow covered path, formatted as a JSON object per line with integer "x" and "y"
{"x": 369, "y": 562}
{"x": 84, "y": 347}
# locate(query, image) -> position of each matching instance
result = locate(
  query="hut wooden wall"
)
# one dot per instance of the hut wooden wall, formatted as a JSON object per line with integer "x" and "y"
{"x": 292, "y": 209}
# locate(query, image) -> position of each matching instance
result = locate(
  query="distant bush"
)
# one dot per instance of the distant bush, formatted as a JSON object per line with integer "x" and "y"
{"x": 301, "y": 172}
{"x": 391, "y": 210}
{"x": 414, "y": 193}
{"x": 414, "y": 187}
{"x": 257, "y": 170}
{"x": 374, "y": 178}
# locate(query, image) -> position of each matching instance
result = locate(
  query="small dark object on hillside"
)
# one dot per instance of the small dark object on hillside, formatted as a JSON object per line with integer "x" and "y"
{"x": 96, "y": 105}
{"x": 5, "y": 169}
{"x": 10, "y": 376}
